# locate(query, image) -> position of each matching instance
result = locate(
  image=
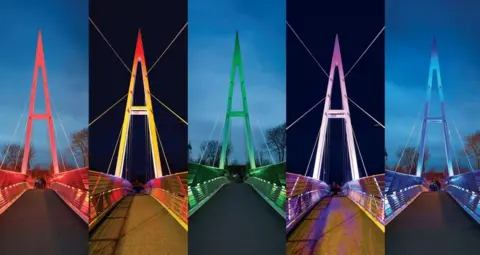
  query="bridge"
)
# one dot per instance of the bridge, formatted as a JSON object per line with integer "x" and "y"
{"x": 51, "y": 219}
{"x": 236, "y": 207}
{"x": 128, "y": 218}
{"x": 420, "y": 220}
{"x": 320, "y": 220}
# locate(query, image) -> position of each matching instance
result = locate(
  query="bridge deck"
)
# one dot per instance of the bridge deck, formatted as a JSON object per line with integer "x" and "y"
{"x": 236, "y": 220}
{"x": 435, "y": 224}
{"x": 139, "y": 225}
{"x": 336, "y": 225}
{"x": 41, "y": 223}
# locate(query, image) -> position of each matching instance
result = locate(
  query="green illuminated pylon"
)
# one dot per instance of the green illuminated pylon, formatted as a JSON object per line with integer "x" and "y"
{"x": 237, "y": 63}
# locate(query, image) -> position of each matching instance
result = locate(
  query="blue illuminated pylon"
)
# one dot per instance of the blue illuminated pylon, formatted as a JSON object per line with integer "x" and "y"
{"x": 435, "y": 66}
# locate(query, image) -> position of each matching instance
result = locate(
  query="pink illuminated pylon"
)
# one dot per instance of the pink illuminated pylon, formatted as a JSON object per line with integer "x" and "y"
{"x": 40, "y": 63}
{"x": 329, "y": 113}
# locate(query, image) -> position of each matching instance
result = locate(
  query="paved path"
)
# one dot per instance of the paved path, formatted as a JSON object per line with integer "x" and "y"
{"x": 236, "y": 220}
{"x": 39, "y": 222}
{"x": 433, "y": 224}
{"x": 336, "y": 226}
{"x": 139, "y": 225}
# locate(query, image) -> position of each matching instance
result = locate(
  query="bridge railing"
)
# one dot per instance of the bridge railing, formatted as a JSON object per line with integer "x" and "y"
{"x": 203, "y": 183}
{"x": 465, "y": 189}
{"x": 105, "y": 192}
{"x": 269, "y": 181}
{"x": 72, "y": 187}
{"x": 367, "y": 192}
{"x": 171, "y": 192}
{"x": 400, "y": 191}
{"x": 12, "y": 186}
{"x": 303, "y": 193}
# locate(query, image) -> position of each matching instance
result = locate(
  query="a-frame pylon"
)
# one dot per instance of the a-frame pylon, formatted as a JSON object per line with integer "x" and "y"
{"x": 237, "y": 63}
{"x": 40, "y": 64}
{"x": 343, "y": 113}
{"x": 435, "y": 67}
{"x": 146, "y": 110}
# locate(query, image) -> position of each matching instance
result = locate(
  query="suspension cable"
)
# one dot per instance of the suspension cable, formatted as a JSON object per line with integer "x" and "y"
{"x": 257, "y": 149}
{"x": 208, "y": 141}
{"x": 326, "y": 162}
{"x": 313, "y": 150}
{"x": 101, "y": 115}
{"x": 264, "y": 139}
{"x": 163, "y": 151}
{"x": 345, "y": 150}
{"x": 61, "y": 154}
{"x": 166, "y": 49}
{"x": 64, "y": 132}
{"x": 409, "y": 137}
{"x": 166, "y": 107}
{"x": 129, "y": 148}
{"x": 14, "y": 133}
{"x": 18, "y": 154}
{"x": 378, "y": 122}
{"x": 118, "y": 56}
{"x": 454, "y": 154}
{"x": 463, "y": 145}
{"x": 218, "y": 145}
{"x": 365, "y": 51}
{"x": 309, "y": 161}
{"x": 305, "y": 46}
{"x": 412, "y": 167}
{"x": 303, "y": 115}
{"x": 114, "y": 150}
{"x": 359, "y": 152}
{"x": 145, "y": 137}
{"x": 105, "y": 39}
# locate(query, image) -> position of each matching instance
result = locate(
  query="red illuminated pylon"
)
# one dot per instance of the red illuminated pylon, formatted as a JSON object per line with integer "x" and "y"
{"x": 40, "y": 63}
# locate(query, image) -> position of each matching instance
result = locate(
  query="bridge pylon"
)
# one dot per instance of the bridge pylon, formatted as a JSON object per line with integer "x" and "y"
{"x": 146, "y": 110}
{"x": 40, "y": 64}
{"x": 435, "y": 67}
{"x": 329, "y": 113}
{"x": 237, "y": 63}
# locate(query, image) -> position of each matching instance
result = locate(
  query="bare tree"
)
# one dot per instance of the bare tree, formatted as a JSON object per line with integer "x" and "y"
{"x": 261, "y": 157}
{"x": 13, "y": 157}
{"x": 189, "y": 151}
{"x": 80, "y": 145}
{"x": 409, "y": 160}
{"x": 276, "y": 140}
{"x": 472, "y": 147}
{"x": 211, "y": 151}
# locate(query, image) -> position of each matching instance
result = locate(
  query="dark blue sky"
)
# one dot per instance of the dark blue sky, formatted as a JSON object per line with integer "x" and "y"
{"x": 356, "y": 27}
{"x": 64, "y": 26}
{"x": 410, "y": 27}
{"x": 159, "y": 22}
{"x": 211, "y": 37}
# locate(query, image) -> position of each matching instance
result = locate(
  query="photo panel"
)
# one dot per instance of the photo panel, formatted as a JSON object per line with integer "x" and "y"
{"x": 335, "y": 127}
{"x": 43, "y": 132}
{"x": 138, "y": 127}
{"x": 236, "y": 104}
{"x": 432, "y": 204}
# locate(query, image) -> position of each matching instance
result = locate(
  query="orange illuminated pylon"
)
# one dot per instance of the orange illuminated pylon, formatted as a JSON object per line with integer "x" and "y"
{"x": 40, "y": 63}
{"x": 147, "y": 110}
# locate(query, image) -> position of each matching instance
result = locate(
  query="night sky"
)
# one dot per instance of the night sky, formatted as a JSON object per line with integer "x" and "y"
{"x": 411, "y": 26}
{"x": 65, "y": 41}
{"x": 212, "y": 27}
{"x": 317, "y": 23}
{"x": 120, "y": 22}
